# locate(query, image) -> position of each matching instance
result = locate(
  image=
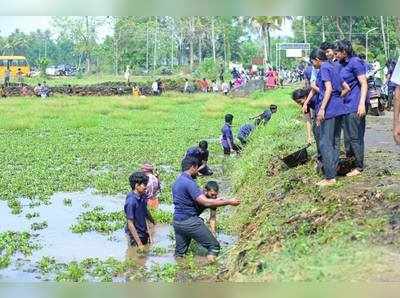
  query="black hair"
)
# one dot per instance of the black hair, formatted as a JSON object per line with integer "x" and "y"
{"x": 299, "y": 94}
{"x": 212, "y": 185}
{"x": 138, "y": 178}
{"x": 318, "y": 54}
{"x": 203, "y": 145}
{"x": 229, "y": 118}
{"x": 273, "y": 107}
{"x": 344, "y": 45}
{"x": 326, "y": 45}
{"x": 189, "y": 162}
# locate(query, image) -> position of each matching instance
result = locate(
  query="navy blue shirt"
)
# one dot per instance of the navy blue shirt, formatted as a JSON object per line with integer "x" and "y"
{"x": 308, "y": 72}
{"x": 184, "y": 193}
{"x": 226, "y": 135}
{"x": 245, "y": 131}
{"x": 352, "y": 68}
{"x": 330, "y": 71}
{"x": 197, "y": 152}
{"x": 135, "y": 209}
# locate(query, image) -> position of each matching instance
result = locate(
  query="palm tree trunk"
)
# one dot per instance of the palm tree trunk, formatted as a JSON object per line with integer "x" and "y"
{"x": 350, "y": 27}
{"x": 338, "y": 27}
{"x": 155, "y": 46}
{"x": 304, "y": 30}
{"x": 213, "y": 37}
{"x": 323, "y": 29}
{"x": 269, "y": 43}
{"x": 384, "y": 37}
{"x": 398, "y": 27}
{"x": 264, "y": 39}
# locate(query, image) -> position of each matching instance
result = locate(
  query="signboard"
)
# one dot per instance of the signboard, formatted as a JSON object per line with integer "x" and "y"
{"x": 294, "y": 53}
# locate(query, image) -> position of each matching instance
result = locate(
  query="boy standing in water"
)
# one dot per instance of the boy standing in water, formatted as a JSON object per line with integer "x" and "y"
{"x": 227, "y": 142}
{"x": 136, "y": 213}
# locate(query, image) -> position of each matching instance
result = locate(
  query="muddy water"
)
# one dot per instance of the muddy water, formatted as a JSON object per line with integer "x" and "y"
{"x": 59, "y": 242}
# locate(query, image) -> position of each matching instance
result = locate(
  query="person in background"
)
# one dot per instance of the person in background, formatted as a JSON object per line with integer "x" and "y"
{"x": 204, "y": 85}
{"x": 25, "y": 91}
{"x": 128, "y": 74}
{"x": 215, "y": 86}
{"x": 154, "y": 88}
{"x": 227, "y": 143}
{"x": 19, "y": 77}
{"x": 330, "y": 112}
{"x": 395, "y": 79}
{"x": 186, "y": 86}
{"x": 137, "y": 215}
{"x": 201, "y": 153}
{"x": 44, "y": 90}
{"x": 270, "y": 79}
{"x": 160, "y": 86}
{"x": 353, "y": 72}
{"x": 153, "y": 185}
{"x": 37, "y": 90}
{"x": 70, "y": 90}
{"x": 3, "y": 93}
{"x": 188, "y": 198}
{"x": 7, "y": 77}
{"x": 225, "y": 88}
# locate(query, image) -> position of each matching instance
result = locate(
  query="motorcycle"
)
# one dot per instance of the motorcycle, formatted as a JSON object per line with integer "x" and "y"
{"x": 376, "y": 98}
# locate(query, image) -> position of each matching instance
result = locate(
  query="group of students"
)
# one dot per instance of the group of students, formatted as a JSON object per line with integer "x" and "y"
{"x": 188, "y": 198}
{"x": 336, "y": 102}
{"x": 204, "y": 86}
{"x": 227, "y": 140}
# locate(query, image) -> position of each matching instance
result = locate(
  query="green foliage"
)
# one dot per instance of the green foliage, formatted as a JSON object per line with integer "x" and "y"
{"x": 43, "y": 63}
{"x": 100, "y": 221}
{"x": 32, "y": 215}
{"x": 107, "y": 222}
{"x": 13, "y": 242}
{"x": 208, "y": 69}
{"x": 39, "y": 225}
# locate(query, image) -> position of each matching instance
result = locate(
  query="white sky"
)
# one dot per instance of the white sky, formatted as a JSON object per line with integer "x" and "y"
{"x": 27, "y": 24}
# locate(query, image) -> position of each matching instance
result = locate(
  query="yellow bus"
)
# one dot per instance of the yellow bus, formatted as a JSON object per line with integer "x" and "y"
{"x": 14, "y": 63}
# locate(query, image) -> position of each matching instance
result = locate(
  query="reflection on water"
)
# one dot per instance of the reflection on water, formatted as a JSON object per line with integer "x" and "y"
{"x": 59, "y": 242}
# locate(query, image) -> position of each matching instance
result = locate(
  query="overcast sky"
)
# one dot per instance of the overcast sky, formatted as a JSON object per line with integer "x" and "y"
{"x": 26, "y": 24}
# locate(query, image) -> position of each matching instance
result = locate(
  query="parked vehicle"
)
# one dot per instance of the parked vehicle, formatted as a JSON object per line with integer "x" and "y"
{"x": 376, "y": 99}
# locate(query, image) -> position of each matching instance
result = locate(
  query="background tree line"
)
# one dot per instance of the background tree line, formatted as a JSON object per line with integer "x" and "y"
{"x": 164, "y": 44}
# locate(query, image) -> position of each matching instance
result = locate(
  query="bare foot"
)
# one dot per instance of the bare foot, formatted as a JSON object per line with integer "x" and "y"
{"x": 326, "y": 182}
{"x": 353, "y": 173}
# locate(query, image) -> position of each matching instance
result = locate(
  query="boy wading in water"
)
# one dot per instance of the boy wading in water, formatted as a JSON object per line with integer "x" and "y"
{"x": 189, "y": 201}
{"x": 137, "y": 217}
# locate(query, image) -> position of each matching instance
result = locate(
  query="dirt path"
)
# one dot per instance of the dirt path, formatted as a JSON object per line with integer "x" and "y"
{"x": 378, "y": 138}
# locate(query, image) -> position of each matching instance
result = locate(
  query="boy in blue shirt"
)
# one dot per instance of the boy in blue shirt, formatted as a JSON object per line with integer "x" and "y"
{"x": 136, "y": 213}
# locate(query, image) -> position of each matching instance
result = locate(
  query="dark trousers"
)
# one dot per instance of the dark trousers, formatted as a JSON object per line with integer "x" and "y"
{"x": 316, "y": 133}
{"x": 194, "y": 228}
{"x": 354, "y": 131}
{"x": 242, "y": 141}
{"x": 329, "y": 143}
{"x": 206, "y": 171}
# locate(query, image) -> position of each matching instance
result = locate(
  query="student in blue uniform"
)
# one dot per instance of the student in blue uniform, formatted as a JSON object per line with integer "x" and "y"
{"x": 330, "y": 111}
{"x": 353, "y": 72}
{"x": 189, "y": 201}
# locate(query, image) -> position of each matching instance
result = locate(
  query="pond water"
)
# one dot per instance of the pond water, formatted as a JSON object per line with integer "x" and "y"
{"x": 59, "y": 242}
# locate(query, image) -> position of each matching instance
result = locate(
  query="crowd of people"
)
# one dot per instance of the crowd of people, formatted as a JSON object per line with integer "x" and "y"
{"x": 188, "y": 198}
{"x": 335, "y": 102}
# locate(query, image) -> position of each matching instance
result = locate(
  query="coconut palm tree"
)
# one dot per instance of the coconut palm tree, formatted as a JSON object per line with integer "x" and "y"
{"x": 265, "y": 25}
